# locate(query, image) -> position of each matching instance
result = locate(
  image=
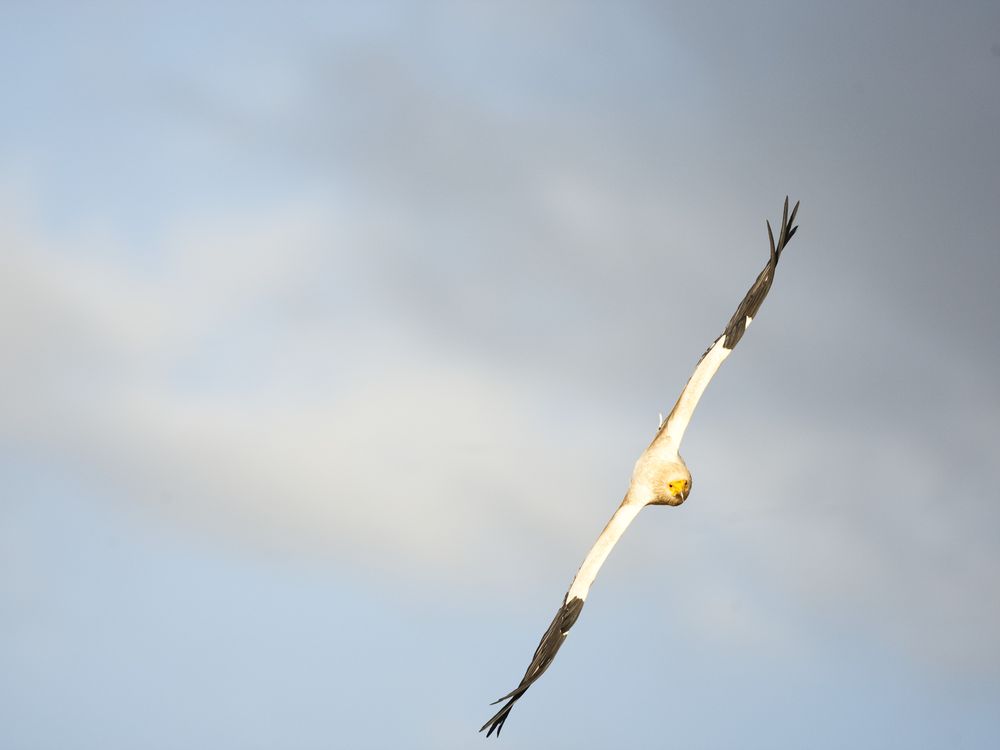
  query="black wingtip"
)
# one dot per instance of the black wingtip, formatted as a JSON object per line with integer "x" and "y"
{"x": 791, "y": 219}
{"x": 544, "y": 654}
{"x": 783, "y": 234}
{"x": 788, "y": 230}
{"x": 755, "y": 296}
{"x": 496, "y": 722}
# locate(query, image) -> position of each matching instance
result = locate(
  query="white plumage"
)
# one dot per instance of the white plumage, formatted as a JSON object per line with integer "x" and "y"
{"x": 660, "y": 476}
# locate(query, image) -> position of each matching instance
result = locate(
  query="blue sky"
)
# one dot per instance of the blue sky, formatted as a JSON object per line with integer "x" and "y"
{"x": 330, "y": 335}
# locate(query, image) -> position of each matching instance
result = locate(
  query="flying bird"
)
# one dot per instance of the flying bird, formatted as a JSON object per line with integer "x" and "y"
{"x": 660, "y": 476}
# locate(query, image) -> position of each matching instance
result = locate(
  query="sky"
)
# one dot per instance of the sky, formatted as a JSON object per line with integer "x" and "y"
{"x": 330, "y": 333}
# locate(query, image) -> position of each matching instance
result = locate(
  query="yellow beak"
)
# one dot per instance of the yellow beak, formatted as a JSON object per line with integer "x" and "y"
{"x": 679, "y": 487}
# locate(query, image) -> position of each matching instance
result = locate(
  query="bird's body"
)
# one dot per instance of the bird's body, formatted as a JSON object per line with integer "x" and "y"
{"x": 660, "y": 476}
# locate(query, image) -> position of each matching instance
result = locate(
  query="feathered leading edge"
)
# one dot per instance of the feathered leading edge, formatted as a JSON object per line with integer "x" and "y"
{"x": 544, "y": 654}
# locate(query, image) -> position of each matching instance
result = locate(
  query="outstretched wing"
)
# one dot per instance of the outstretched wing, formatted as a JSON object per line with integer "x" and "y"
{"x": 676, "y": 423}
{"x": 544, "y": 655}
{"x": 568, "y": 612}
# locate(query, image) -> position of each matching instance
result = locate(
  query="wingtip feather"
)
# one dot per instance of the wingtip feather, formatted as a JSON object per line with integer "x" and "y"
{"x": 783, "y": 234}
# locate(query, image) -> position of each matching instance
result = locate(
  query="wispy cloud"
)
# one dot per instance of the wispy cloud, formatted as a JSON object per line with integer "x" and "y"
{"x": 246, "y": 388}
{"x": 402, "y": 293}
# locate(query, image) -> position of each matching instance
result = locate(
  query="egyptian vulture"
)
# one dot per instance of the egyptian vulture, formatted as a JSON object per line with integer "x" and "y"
{"x": 660, "y": 476}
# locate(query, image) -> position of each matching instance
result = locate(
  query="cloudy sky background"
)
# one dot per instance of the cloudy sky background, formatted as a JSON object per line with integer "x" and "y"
{"x": 329, "y": 336}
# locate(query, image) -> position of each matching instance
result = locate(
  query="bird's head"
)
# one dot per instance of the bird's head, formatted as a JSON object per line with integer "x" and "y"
{"x": 672, "y": 485}
{"x": 678, "y": 488}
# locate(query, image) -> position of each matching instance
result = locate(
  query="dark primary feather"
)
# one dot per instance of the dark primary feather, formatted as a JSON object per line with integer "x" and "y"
{"x": 755, "y": 296}
{"x": 544, "y": 654}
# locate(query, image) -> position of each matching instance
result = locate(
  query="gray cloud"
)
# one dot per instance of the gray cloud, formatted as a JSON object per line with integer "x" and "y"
{"x": 506, "y": 255}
